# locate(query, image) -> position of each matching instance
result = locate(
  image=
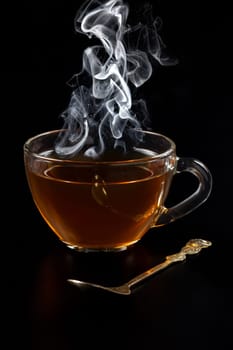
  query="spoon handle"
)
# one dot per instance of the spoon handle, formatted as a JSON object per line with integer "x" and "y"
{"x": 193, "y": 246}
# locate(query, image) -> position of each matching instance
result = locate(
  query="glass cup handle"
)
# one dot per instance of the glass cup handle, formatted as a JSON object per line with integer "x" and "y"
{"x": 189, "y": 204}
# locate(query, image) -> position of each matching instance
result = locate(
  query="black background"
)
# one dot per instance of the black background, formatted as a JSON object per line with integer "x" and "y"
{"x": 190, "y": 102}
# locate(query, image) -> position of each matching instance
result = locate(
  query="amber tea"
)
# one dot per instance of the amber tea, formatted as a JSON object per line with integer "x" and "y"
{"x": 99, "y": 208}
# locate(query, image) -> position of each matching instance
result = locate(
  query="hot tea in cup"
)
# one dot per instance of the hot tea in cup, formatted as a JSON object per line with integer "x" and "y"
{"x": 110, "y": 202}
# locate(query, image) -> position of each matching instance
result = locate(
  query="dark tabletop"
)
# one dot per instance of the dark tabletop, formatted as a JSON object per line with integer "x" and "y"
{"x": 188, "y": 305}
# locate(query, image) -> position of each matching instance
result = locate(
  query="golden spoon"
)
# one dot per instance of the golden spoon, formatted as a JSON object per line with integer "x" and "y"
{"x": 193, "y": 246}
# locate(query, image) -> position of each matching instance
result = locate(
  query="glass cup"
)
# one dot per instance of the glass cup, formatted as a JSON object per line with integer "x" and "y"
{"x": 108, "y": 204}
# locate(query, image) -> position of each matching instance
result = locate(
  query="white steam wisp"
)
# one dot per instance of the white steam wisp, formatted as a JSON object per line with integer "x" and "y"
{"x": 101, "y": 114}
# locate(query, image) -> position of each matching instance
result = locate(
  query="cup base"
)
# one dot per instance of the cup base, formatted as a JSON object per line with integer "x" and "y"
{"x": 98, "y": 250}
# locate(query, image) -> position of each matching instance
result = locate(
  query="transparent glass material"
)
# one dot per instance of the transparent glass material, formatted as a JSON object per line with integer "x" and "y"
{"x": 109, "y": 203}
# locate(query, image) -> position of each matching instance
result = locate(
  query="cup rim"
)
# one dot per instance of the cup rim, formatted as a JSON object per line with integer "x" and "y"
{"x": 143, "y": 159}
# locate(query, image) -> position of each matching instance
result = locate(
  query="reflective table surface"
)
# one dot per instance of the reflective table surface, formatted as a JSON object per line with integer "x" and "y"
{"x": 190, "y": 302}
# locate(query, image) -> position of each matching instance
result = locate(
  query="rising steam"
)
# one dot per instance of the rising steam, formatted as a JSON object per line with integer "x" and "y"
{"x": 101, "y": 113}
